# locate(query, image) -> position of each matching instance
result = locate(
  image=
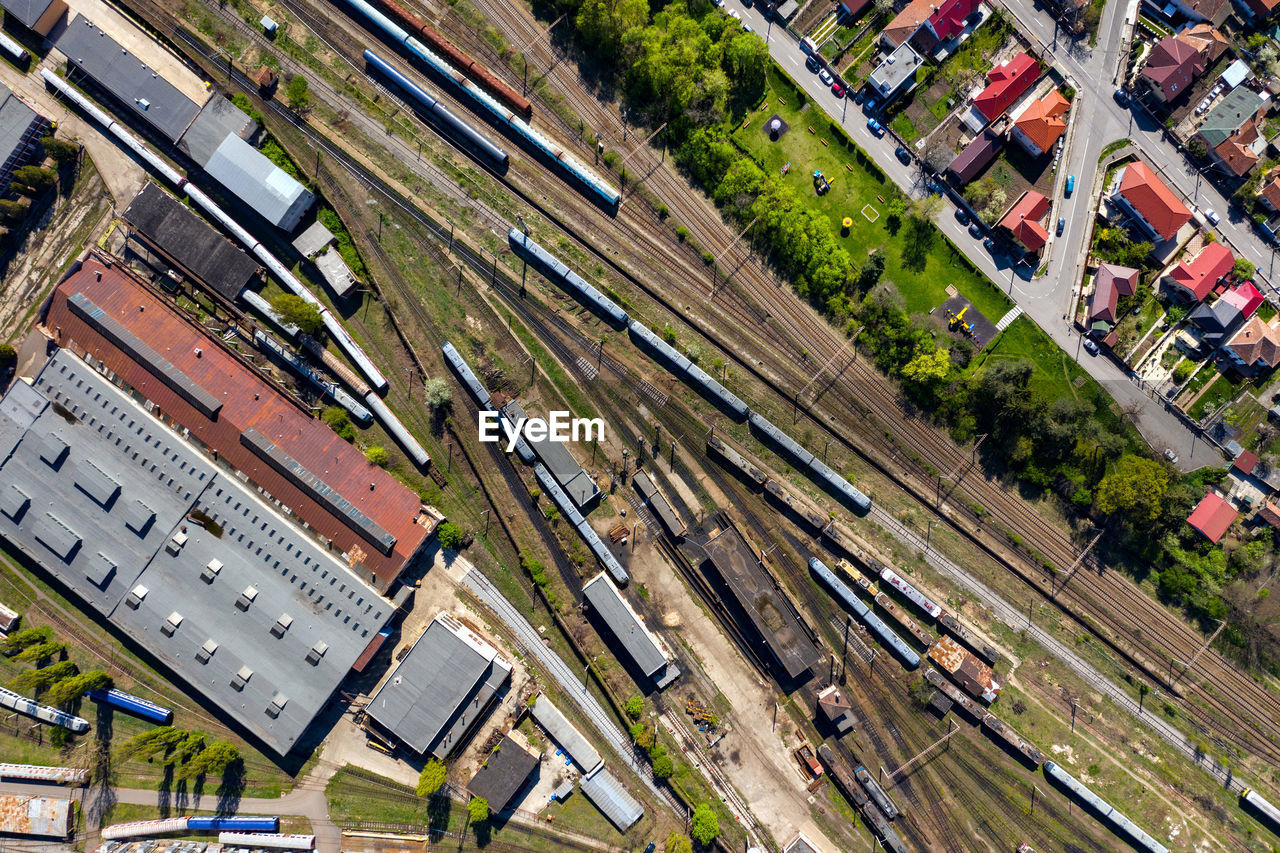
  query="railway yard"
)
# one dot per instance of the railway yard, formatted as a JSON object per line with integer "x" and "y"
{"x": 819, "y": 621}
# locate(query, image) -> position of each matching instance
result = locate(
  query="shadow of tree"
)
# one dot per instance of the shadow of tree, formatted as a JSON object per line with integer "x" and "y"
{"x": 100, "y": 795}
{"x": 164, "y": 799}
{"x": 439, "y": 808}
{"x": 232, "y": 787}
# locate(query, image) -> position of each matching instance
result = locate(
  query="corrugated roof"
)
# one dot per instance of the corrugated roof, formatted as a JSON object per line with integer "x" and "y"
{"x": 1213, "y": 516}
{"x": 604, "y": 789}
{"x": 48, "y": 817}
{"x": 658, "y": 503}
{"x": 28, "y": 12}
{"x": 20, "y": 129}
{"x": 1230, "y": 114}
{"x": 217, "y": 118}
{"x": 503, "y": 774}
{"x": 247, "y": 400}
{"x": 136, "y": 86}
{"x": 625, "y": 624}
{"x": 176, "y": 231}
{"x": 563, "y": 732}
{"x": 441, "y": 681}
{"x": 259, "y": 183}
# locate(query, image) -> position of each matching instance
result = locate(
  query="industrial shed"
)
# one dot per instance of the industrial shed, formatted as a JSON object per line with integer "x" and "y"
{"x": 131, "y": 83}
{"x": 433, "y": 699}
{"x": 645, "y": 649}
{"x": 604, "y": 789}
{"x": 661, "y": 507}
{"x": 563, "y": 732}
{"x": 260, "y": 184}
{"x": 504, "y": 773}
{"x": 21, "y": 128}
{"x": 47, "y": 817}
{"x": 253, "y": 613}
{"x": 174, "y": 232}
{"x": 39, "y": 16}
{"x": 218, "y": 118}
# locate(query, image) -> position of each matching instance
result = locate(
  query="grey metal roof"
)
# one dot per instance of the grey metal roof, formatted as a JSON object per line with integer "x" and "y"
{"x": 187, "y": 240}
{"x": 20, "y": 127}
{"x": 28, "y": 12}
{"x": 217, "y": 118}
{"x": 576, "y": 482}
{"x": 563, "y": 732}
{"x": 335, "y": 272}
{"x": 604, "y": 789}
{"x": 135, "y": 85}
{"x": 434, "y": 696}
{"x": 1236, "y": 107}
{"x": 625, "y": 624}
{"x": 658, "y": 503}
{"x": 322, "y": 491}
{"x": 312, "y": 240}
{"x": 135, "y": 348}
{"x": 503, "y": 774}
{"x": 259, "y": 183}
{"x": 283, "y": 618}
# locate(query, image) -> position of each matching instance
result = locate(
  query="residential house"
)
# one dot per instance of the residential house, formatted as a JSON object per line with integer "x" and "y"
{"x": 1269, "y": 189}
{"x": 1153, "y": 204}
{"x": 1230, "y": 130}
{"x": 1256, "y": 346}
{"x": 1245, "y": 463}
{"x": 1023, "y": 221}
{"x": 1005, "y": 84}
{"x": 895, "y": 72}
{"x": 1172, "y": 66}
{"x": 970, "y": 162}
{"x": 1258, "y": 10}
{"x": 904, "y": 24}
{"x": 1216, "y": 321}
{"x": 1269, "y": 514}
{"x": 1110, "y": 282}
{"x": 1197, "y": 279}
{"x": 1246, "y": 297}
{"x": 1205, "y": 38}
{"x": 1214, "y": 12}
{"x": 945, "y": 22}
{"x": 854, "y": 8}
{"x": 1213, "y": 516}
{"x": 1040, "y": 124}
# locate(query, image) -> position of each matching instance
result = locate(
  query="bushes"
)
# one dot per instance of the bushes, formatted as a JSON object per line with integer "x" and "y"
{"x": 432, "y": 778}
{"x": 450, "y": 535}
{"x": 340, "y": 422}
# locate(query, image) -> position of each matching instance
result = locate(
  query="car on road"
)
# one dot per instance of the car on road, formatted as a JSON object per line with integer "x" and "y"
{"x": 869, "y": 106}
{"x": 837, "y": 89}
{"x": 810, "y": 62}
{"x": 825, "y": 76}
{"x": 718, "y": 2}
{"x": 1122, "y": 97}
{"x": 1062, "y": 223}
{"x": 748, "y": 27}
{"x": 859, "y": 97}
{"x": 975, "y": 230}
{"x": 990, "y": 245}
{"x": 875, "y": 127}
{"x": 733, "y": 13}
{"x": 1091, "y": 346}
{"x": 904, "y": 155}
{"x": 1212, "y": 216}
{"x": 961, "y": 216}
{"x": 1170, "y": 455}
{"x": 1071, "y": 185}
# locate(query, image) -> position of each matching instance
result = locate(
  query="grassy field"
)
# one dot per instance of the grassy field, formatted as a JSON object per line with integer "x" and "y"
{"x": 860, "y": 191}
{"x": 1056, "y": 374}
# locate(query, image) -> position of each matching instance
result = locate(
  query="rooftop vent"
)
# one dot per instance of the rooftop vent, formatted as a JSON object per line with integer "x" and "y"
{"x": 241, "y": 678}
{"x": 171, "y": 624}
{"x": 246, "y": 598}
{"x": 206, "y": 651}
{"x": 134, "y": 599}
{"x": 211, "y": 571}
{"x": 277, "y": 705}
{"x": 317, "y": 652}
{"x": 282, "y": 625}
{"x": 175, "y": 543}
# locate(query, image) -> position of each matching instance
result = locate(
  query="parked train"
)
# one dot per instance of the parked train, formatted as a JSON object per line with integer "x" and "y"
{"x": 460, "y": 60}
{"x": 909, "y": 592}
{"x": 135, "y": 705}
{"x": 264, "y": 841}
{"x": 838, "y": 770}
{"x": 1259, "y": 804}
{"x": 1123, "y": 827}
{"x": 13, "y": 51}
{"x": 439, "y": 113}
{"x": 41, "y": 773}
{"x": 162, "y": 826}
{"x": 905, "y": 653}
{"x": 877, "y": 794}
{"x": 481, "y": 395}
{"x": 236, "y": 824}
{"x": 9, "y": 619}
{"x": 487, "y": 104}
{"x": 815, "y": 467}
{"x": 23, "y": 705}
{"x": 950, "y": 625}
{"x": 569, "y": 511}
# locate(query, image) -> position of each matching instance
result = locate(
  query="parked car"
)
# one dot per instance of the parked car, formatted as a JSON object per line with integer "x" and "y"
{"x": 1091, "y": 346}
{"x": 1071, "y": 185}
{"x": 718, "y": 2}
{"x": 859, "y": 97}
{"x": 870, "y": 105}
{"x": 875, "y": 127}
{"x": 746, "y": 26}
{"x": 961, "y": 216}
{"x": 733, "y": 13}
{"x": 904, "y": 155}
{"x": 975, "y": 230}
{"x": 1170, "y": 455}
{"x": 837, "y": 89}
{"x": 825, "y": 76}
{"x": 1212, "y": 216}
{"x": 1062, "y": 223}
{"x": 1122, "y": 97}
{"x": 990, "y": 245}
{"x": 810, "y": 61}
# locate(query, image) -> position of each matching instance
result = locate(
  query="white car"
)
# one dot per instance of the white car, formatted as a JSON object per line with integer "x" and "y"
{"x": 825, "y": 76}
{"x": 733, "y": 13}
{"x": 1212, "y": 216}
{"x": 748, "y": 27}
{"x": 1170, "y": 455}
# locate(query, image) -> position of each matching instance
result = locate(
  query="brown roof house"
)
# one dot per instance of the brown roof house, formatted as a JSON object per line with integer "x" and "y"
{"x": 1230, "y": 130}
{"x": 1110, "y": 282}
{"x": 1153, "y": 204}
{"x": 1040, "y": 124}
{"x": 1256, "y": 346}
{"x": 1172, "y": 66}
{"x": 1023, "y": 221}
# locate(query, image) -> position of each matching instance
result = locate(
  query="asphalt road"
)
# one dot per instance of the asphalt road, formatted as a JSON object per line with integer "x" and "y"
{"x": 1046, "y": 299}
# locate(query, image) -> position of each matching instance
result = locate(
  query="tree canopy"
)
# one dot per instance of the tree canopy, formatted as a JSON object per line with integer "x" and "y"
{"x": 1134, "y": 488}
{"x": 297, "y": 311}
{"x": 705, "y": 825}
{"x": 432, "y": 778}
{"x": 478, "y": 809}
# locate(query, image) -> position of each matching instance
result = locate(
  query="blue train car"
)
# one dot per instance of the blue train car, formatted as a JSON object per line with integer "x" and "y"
{"x": 239, "y": 824}
{"x": 557, "y": 271}
{"x": 135, "y": 705}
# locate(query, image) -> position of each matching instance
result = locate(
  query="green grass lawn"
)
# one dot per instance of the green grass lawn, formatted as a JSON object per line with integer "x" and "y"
{"x": 858, "y": 185}
{"x": 1056, "y": 373}
{"x": 1222, "y": 389}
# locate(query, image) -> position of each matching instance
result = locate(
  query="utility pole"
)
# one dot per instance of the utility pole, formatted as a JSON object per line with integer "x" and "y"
{"x": 1221, "y": 624}
{"x": 715, "y": 263}
{"x": 929, "y": 533}
{"x": 981, "y": 439}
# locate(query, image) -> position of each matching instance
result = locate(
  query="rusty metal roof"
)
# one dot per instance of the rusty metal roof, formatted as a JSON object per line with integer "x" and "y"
{"x": 46, "y": 816}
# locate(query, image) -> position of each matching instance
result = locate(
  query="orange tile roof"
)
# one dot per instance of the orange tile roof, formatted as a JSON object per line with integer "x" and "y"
{"x": 1205, "y": 270}
{"x": 248, "y": 401}
{"x": 1257, "y": 341}
{"x": 1205, "y": 39}
{"x": 906, "y": 22}
{"x": 1157, "y": 204}
{"x": 1023, "y": 220}
{"x": 1236, "y": 150}
{"x": 1270, "y": 513}
{"x": 1042, "y": 122}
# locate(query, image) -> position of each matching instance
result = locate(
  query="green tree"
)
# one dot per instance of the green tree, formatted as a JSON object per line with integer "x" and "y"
{"x": 438, "y": 393}
{"x": 663, "y": 767}
{"x": 212, "y": 760}
{"x": 34, "y": 177}
{"x": 450, "y": 535}
{"x": 378, "y": 455}
{"x": 8, "y": 356}
{"x": 1242, "y": 269}
{"x": 20, "y": 640}
{"x": 12, "y": 212}
{"x": 41, "y": 651}
{"x": 1196, "y": 148}
{"x": 677, "y": 843}
{"x": 299, "y": 312}
{"x": 432, "y": 778}
{"x": 604, "y": 23}
{"x": 706, "y": 826}
{"x": 928, "y": 367}
{"x": 298, "y": 92}
{"x": 41, "y": 679}
{"x": 478, "y": 809}
{"x": 1135, "y": 488}
{"x": 746, "y": 61}
{"x": 69, "y": 689}
{"x": 60, "y": 150}
{"x": 634, "y": 707}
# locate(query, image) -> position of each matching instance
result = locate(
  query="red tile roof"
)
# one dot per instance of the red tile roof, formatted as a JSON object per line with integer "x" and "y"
{"x": 1157, "y": 204}
{"x": 948, "y": 19}
{"x": 248, "y": 401}
{"x": 1271, "y": 189}
{"x": 1213, "y": 516}
{"x": 1173, "y": 65}
{"x": 1109, "y": 284}
{"x": 1023, "y": 220}
{"x": 906, "y": 22}
{"x": 1205, "y": 270}
{"x": 1236, "y": 151}
{"x": 1246, "y": 297}
{"x": 1245, "y": 462}
{"x": 1043, "y": 121}
{"x": 1006, "y": 83}
{"x": 1257, "y": 341}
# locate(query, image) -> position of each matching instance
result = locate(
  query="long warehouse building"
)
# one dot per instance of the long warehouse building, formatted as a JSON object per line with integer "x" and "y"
{"x": 645, "y": 649}
{"x": 102, "y": 311}
{"x": 178, "y": 554}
